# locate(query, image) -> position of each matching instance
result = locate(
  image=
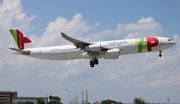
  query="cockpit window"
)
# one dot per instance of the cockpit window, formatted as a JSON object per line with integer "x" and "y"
{"x": 169, "y": 39}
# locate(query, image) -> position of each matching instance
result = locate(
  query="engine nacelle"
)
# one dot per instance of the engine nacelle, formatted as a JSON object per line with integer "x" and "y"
{"x": 112, "y": 52}
{"x": 93, "y": 48}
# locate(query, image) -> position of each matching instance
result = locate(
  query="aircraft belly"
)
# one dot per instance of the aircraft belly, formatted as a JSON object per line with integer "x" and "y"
{"x": 61, "y": 55}
{"x": 72, "y": 54}
{"x": 56, "y": 56}
{"x": 128, "y": 50}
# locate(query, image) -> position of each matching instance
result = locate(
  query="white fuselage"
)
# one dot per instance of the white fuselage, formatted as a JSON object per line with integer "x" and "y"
{"x": 116, "y": 48}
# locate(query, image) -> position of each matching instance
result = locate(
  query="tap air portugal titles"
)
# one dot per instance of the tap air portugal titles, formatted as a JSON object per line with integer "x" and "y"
{"x": 89, "y": 50}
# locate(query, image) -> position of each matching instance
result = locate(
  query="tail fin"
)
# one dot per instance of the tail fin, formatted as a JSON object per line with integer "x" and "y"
{"x": 19, "y": 38}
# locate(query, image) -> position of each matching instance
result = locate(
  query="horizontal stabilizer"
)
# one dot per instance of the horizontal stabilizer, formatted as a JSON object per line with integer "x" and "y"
{"x": 27, "y": 52}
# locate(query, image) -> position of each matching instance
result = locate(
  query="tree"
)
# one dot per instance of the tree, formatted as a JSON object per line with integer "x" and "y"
{"x": 120, "y": 102}
{"x": 110, "y": 102}
{"x": 54, "y": 100}
{"x": 139, "y": 101}
{"x": 50, "y": 97}
{"x": 40, "y": 101}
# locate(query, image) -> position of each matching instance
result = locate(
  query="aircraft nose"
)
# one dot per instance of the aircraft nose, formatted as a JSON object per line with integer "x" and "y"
{"x": 172, "y": 43}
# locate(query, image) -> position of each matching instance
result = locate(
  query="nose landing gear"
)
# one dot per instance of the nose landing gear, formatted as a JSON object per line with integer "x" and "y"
{"x": 94, "y": 62}
{"x": 160, "y": 55}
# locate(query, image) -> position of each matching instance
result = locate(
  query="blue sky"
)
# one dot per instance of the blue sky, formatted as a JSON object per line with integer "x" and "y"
{"x": 108, "y": 14}
{"x": 139, "y": 75}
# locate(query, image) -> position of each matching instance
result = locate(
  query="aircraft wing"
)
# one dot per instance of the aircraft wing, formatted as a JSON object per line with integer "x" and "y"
{"x": 78, "y": 43}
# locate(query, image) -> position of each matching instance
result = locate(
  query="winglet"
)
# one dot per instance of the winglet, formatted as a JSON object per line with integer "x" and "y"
{"x": 64, "y": 35}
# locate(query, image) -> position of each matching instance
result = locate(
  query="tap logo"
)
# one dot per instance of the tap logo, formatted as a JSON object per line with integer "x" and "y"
{"x": 146, "y": 44}
{"x": 19, "y": 38}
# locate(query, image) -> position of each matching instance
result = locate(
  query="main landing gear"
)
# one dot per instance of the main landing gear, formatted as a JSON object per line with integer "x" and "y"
{"x": 94, "y": 62}
{"x": 160, "y": 55}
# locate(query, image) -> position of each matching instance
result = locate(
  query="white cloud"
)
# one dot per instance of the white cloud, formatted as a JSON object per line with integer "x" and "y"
{"x": 172, "y": 79}
{"x": 12, "y": 15}
{"x": 74, "y": 28}
{"x": 146, "y": 20}
{"x": 129, "y": 74}
{"x": 144, "y": 28}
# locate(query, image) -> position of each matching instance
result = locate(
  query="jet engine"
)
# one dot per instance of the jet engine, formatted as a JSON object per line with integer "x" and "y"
{"x": 93, "y": 48}
{"x": 112, "y": 52}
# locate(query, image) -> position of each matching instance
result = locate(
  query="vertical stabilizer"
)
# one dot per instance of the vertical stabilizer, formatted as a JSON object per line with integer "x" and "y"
{"x": 19, "y": 38}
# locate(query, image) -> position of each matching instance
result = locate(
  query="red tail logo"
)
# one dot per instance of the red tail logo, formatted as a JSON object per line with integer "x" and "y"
{"x": 22, "y": 40}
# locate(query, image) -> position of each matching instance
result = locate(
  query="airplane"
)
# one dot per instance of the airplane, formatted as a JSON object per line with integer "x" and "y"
{"x": 89, "y": 50}
{"x": 70, "y": 90}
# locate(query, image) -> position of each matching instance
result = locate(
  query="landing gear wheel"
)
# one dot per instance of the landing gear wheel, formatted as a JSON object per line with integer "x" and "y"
{"x": 160, "y": 55}
{"x": 96, "y": 61}
{"x": 92, "y": 63}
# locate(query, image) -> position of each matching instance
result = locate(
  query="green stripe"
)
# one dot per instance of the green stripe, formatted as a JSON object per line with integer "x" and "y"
{"x": 141, "y": 44}
{"x": 14, "y": 34}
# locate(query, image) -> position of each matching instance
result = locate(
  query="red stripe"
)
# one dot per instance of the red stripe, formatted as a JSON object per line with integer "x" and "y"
{"x": 20, "y": 42}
